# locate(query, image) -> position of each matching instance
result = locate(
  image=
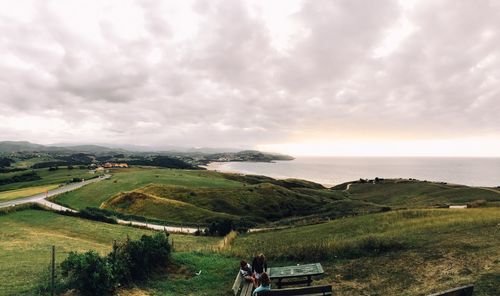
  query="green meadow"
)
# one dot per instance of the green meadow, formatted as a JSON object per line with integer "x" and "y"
{"x": 195, "y": 196}
{"x": 408, "y": 252}
{"x": 388, "y": 238}
{"x": 412, "y": 193}
{"x": 124, "y": 180}
{"x": 26, "y": 237}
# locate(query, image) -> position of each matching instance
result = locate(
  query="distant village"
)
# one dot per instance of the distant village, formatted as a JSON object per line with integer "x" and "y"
{"x": 104, "y": 167}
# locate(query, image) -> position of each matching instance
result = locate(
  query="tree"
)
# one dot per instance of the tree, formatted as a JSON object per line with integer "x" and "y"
{"x": 5, "y": 162}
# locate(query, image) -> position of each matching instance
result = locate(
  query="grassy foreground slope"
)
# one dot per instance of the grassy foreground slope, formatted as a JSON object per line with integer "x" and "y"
{"x": 26, "y": 238}
{"x": 411, "y": 252}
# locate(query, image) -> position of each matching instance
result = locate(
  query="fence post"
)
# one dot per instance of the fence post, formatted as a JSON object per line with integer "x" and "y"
{"x": 53, "y": 270}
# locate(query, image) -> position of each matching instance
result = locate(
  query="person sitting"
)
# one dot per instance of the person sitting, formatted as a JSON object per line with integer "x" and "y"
{"x": 259, "y": 265}
{"x": 246, "y": 271}
{"x": 265, "y": 284}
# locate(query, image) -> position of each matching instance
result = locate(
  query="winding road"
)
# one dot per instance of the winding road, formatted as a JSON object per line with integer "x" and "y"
{"x": 42, "y": 200}
{"x": 41, "y": 197}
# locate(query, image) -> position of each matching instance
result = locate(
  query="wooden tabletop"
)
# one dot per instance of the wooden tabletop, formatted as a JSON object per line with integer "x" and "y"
{"x": 295, "y": 271}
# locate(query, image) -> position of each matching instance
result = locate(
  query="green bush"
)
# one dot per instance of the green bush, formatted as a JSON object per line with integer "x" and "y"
{"x": 129, "y": 262}
{"x": 89, "y": 273}
{"x": 135, "y": 260}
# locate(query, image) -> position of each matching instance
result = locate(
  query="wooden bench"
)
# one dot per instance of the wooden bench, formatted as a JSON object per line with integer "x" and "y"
{"x": 241, "y": 287}
{"x": 460, "y": 291}
{"x": 313, "y": 290}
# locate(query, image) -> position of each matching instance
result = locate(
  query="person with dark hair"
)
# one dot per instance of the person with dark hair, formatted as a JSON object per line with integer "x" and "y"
{"x": 246, "y": 271}
{"x": 265, "y": 284}
{"x": 259, "y": 265}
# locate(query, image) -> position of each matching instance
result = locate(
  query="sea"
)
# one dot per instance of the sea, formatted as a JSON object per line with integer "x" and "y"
{"x": 330, "y": 171}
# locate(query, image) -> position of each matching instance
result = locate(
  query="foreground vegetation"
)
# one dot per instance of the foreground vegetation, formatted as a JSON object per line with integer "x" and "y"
{"x": 411, "y": 252}
{"x": 26, "y": 238}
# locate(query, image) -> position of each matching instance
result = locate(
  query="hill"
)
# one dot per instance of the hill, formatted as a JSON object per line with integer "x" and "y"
{"x": 152, "y": 193}
{"x": 410, "y": 252}
{"x": 23, "y": 146}
{"x": 150, "y": 206}
{"x": 413, "y": 193}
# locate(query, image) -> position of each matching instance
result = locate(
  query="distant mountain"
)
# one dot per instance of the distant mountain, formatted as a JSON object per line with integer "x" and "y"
{"x": 201, "y": 155}
{"x": 24, "y": 146}
{"x": 93, "y": 149}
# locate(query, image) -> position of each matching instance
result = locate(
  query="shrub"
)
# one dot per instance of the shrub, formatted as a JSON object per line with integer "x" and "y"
{"x": 136, "y": 260}
{"x": 91, "y": 214}
{"x": 89, "y": 273}
{"x": 29, "y": 176}
{"x": 219, "y": 226}
{"x": 223, "y": 226}
{"x": 129, "y": 262}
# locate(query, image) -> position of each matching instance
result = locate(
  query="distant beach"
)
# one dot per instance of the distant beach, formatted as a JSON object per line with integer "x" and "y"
{"x": 330, "y": 171}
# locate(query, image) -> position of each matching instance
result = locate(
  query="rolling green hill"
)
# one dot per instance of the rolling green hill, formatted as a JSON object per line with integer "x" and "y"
{"x": 175, "y": 195}
{"x": 411, "y": 252}
{"x": 413, "y": 193}
{"x": 193, "y": 195}
{"x": 124, "y": 180}
{"x": 150, "y": 206}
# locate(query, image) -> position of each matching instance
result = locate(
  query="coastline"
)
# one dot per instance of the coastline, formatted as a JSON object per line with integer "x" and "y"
{"x": 218, "y": 166}
{"x": 330, "y": 171}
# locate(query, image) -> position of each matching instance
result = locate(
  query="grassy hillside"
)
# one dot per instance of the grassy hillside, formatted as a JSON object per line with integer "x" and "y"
{"x": 412, "y": 193}
{"x": 412, "y": 252}
{"x": 150, "y": 206}
{"x": 26, "y": 238}
{"x": 262, "y": 201}
{"x": 185, "y": 196}
{"x": 124, "y": 180}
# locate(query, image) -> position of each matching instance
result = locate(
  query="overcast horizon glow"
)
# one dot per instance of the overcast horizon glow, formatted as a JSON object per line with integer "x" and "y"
{"x": 349, "y": 77}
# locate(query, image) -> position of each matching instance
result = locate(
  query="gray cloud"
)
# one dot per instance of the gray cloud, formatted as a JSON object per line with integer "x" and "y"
{"x": 209, "y": 73}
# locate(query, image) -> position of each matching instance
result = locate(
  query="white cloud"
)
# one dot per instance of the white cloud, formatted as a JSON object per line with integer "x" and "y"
{"x": 247, "y": 73}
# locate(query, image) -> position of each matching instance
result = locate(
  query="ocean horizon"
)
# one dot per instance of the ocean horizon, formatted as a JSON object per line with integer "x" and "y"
{"x": 330, "y": 171}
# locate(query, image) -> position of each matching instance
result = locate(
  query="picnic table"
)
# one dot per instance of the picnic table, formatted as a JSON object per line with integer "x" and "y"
{"x": 293, "y": 272}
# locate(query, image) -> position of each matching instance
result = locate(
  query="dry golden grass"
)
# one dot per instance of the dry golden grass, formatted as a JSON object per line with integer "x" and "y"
{"x": 25, "y": 192}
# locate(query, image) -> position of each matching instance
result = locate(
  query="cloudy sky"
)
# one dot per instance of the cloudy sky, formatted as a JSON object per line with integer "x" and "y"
{"x": 315, "y": 77}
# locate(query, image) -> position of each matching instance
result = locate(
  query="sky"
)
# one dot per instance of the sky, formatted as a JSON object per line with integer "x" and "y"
{"x": 317, "y": 77}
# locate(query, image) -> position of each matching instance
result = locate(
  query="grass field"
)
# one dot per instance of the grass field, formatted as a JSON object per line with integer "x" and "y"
{"x": 24, "y": 192}
{"x": 195, "y": 196}
{"x": 150, "y": 206}
{"x": 59, "y": 176}
{"x": 26, "y": 238}
{"x": 412, "y": 252}
{"x": 405, "y": 193}
{"x": 129, "y": 179}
